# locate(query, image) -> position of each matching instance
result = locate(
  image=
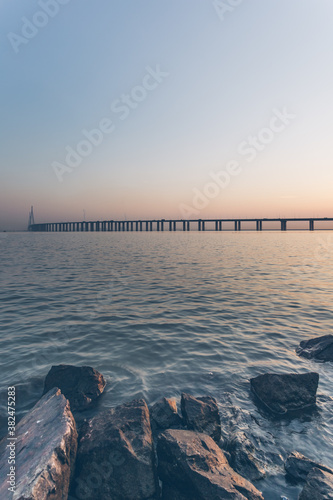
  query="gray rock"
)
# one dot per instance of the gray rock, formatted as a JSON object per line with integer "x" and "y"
{"x": 298, "y": 466}
{"x": 243, "y": 440}
{"x": 319, "y": 486}
{"x": 192, "y": 466}
{"x": 320, "y": 348}
{"x": 116, "y": 456}
{"x": 287, "y": 393}
{"x": 45, "y": 451}
{"x": 244, "y": 457}
{"x": 81, "y": 385}
{"x": 202, "y": 415}
{"x": 164, "y": 414}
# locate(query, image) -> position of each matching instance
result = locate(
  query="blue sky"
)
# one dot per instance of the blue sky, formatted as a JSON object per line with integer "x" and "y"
{"x": 223, "y": 79}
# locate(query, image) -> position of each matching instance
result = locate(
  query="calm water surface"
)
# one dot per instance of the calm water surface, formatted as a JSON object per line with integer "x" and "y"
{"x": 161, "y": 313}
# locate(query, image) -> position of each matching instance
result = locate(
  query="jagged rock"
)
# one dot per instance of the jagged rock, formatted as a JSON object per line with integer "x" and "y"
{"x": 320, "y": 348}
{"x": 298, "y": 466}
{"x": 45, "y": 451}
{"x": 243, "y": 440}
{"x": 116, "y": 456}
{"x": 192, "y": 466}
{"x": 243, "y": 457}
{"x": 319, "y": 486}
{"x": 202, "y": 415}
{"x": 164, "y": 414}
{"x": 81, "y": 385}
{"x": 286, "y": 393}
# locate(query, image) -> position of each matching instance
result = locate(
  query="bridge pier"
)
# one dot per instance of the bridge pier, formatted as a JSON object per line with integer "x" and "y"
{"x": 283, "y": 225}
{"x": 162, "y": 225}
{"x": 170, "y": 225}
{"x": 259, "y": 225}
{"x": 311, "y": 225}
{"x": 199, "y": 224}
{"x": 184, "y": 225}
{"x": 188, "y": 225}
{"x": 174, "y": 225}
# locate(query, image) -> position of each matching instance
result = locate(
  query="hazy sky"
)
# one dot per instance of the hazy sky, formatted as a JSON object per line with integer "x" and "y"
{"x": 166, "y": 108}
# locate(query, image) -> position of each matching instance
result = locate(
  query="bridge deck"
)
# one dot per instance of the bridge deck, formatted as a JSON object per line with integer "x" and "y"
{"x": 169, "y": 224}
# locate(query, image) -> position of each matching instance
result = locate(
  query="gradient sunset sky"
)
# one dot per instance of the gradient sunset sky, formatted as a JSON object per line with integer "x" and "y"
{"x": 201, "y": 82}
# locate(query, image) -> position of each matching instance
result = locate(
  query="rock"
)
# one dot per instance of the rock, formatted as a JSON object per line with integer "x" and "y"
{"x": 45, "y": 451}
{"x": 201, "y": 415}
{"x": 192, "y": 466}
{"x": 320, "y": 348}
{"x": 164, "y": 414}
{"x": 298, "y": 466}
{"x": 243, "y": 457}
{"x": 116, "y": 456}
{"x": 319, "y": 486}
{"x": 81, "y": 385}
{"x": 286, "y": 393}
{"x": 243, "y": 441}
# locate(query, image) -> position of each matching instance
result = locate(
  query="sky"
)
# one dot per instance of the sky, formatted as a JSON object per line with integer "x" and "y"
{"x": 170, "y": 108}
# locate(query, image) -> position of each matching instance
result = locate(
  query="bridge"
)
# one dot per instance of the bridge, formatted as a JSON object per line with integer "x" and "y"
{"x": 169, "y": 224}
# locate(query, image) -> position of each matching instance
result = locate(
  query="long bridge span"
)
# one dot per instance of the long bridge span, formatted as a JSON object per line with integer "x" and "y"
{"x": 172, "y": 224}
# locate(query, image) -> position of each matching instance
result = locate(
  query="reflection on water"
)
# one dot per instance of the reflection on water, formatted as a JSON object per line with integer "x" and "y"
{"x": 158, "y": 313}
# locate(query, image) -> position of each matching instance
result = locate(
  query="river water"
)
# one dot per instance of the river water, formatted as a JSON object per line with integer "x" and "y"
{"x": 162, "y": 313}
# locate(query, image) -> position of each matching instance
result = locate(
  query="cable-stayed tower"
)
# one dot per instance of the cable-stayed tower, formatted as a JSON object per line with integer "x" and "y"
{"x": 31, "y": 217}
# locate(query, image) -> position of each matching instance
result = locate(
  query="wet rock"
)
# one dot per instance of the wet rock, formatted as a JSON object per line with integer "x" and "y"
{"x": 320, "y": 348}
{"x": 202, "y": 415}
{"x": 45, "y": 451}
{"x": 319, "y": 486}
{"x": 116, "y": 455}
{"x": 192, "y": 466}
{"x": 244, "y": 441}
{"x": 164, "y": 414}
{"x": 81, "y": 385}
{"x": 286, "y": 393}
{"x": 298, "y": 466}
{"x": 243, "y": 457}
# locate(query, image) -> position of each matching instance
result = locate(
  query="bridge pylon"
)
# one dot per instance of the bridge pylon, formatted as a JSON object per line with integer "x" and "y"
{"x": 31, "y": 218}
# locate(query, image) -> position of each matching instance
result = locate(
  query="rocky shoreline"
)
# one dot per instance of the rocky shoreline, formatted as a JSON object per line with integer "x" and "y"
{"x": 185, "y": 450}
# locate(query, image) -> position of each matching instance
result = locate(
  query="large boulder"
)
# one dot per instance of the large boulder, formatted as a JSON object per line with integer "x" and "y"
{"x": 319, "y": 486}
{"x": 201, "y": 414}
{"x": 116, "y": 455}
{"x": 80, "y": 384}
{"x": 287, "y": 393}
{"x": 45, "y": 451}
{"x": 164, "y": 414}
{"x": 192, "y": 466}
{"x": 298, "y": 466}
{"x": 320, "y": 348}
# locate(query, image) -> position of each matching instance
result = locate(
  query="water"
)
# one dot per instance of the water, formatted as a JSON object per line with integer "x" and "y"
{"x": 161, "y": 313}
